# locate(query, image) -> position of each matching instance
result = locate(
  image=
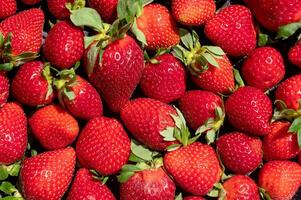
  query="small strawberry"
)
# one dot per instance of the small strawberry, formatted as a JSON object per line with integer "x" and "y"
{"x": 280, "y": 179}
{"x": 106, "y": 8}
{"x": 86, "y": 187}
{"x": 193, "y": 198}
{"x": 47, "y": 175}
{"x": 249, "y": 110}
{"x": 263, "y": 68}
{"x": 53, "y": 127}
{"x": 31, "y": 2}
{"x": 193, "y": 12}
{"x": 32, "y": 85}
{"x": 4, "y": 88}
{"x": 294, "y": 54}
{"x": 13, "y": 133}
{"x": 64, "y": 52}
{"x": 7, "y": 8}
{"x": 234, "y": 147}
{"x": 103, "y": 145}
{"x": 163, "y": 80}
{"x": 233, "y": 30}
{"x": 60, "y": 9}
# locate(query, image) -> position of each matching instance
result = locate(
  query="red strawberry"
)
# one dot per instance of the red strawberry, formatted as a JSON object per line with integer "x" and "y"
{"x": 249, "y": 110}
{"x": 280, "y": 144}
{"x": 7, "y": 8}
{"x": 193, "y": 198}
{"x": 280, "y": 179}
{"x": 233, "y": 30}
{"x": 53, "y": 127}
{"x": 193, "y": 12}
{"x": 103, "y": 145}
{"x": 47, "y": 175}
{"x": 64, "y": 52}
{"x": 13, "y": 133}
{"x": 106, "y": 8}
{"x": 165, "y": 80}
{"x": 25, "y": 36}
{"x": 234, "y": 147}
{"x": 273, "y": 14}
{"x": 86, "y": 187}
{"x": 294, "y": 54}
{"x": 60, "y": 9}
{"x": 4, "y": 88}
{"x": 32, "y": 85}
{"x": 240, "y": 187}
{"x": 158, "y": 27}
{"x": 31, "y": 2}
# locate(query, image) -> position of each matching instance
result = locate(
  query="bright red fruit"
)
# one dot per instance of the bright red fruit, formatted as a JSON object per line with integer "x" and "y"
{"x": 13, "y": 133}
{"x": 106, "y": 8}
{"x": 103, "y": 145}
{"x": 54, "y": 127}
{"x": 4, "y": 88}
{"x": 249, "y": 110}
{"x": 294, "y": 54}
{"x": 233, "y": 30}
{"x": 47, "y": 175}
{"x": 7, "y": 8}
{"x": 58, "y": 8}
{"x": 234, "y": 147}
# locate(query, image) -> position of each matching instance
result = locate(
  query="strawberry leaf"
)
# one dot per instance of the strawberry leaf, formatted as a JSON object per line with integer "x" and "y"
{"x": 168, "y": 134}
{"x": 141, "y": 152}
{"x": 173, "y": 147}
{"x": 262, "y": 39}
{"x": 3, "y": 172}
{"x": 287, "y": 30}
{"x": 299, "y": 138}
{"x": 211, "y": 59}
{"x": 7, "y": 188}
{"x": 138, "y": 33}
{"x": 123, "y": 177}
{"x": 179, "y": 197}
{"x": 215, "y": 50}
{"x": 186, "y": 38}
{"x": 87, "y": 17}
{"x": 295, "y": 126}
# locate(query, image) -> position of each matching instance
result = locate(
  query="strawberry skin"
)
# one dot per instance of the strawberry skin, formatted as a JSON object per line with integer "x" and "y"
{"x": 249, "y": 110}
{"x": 7, "y": 8}
{"x": 158, "y": 27}
{"x": 294, "y": 54}
{"x": 280, "y": 179}
{"x": 58, "y": 8}
{"x": 53, "y": 127}
{"x": 4, "y": 88}
{"x": 47, "y": 175}
{"x": 106, "y": 8}
{"x": 280, "y": 144}
{"x": 238, "y": 146}
{"x": 263, "y": 68}
{"x": 193, "y": 198}
{"x": 30, "y": 86}
{"x": 13, "y": 133}
{"x": 64, "y": 52}
{"x": 164, "y": 81}
{"x": 150, "y": 184}
{"x": 119, "y": 72}
{"x": 145, "y": 118}
{"x": 103, "y": 145}
{"x": 233, "y": 30}
{"x": 241, "y": 187}
{"x": 195, "y": 167}
{"x": 198, "y": 106}
{"x": 86, "y": 187}
{"x": 192, "y": 12}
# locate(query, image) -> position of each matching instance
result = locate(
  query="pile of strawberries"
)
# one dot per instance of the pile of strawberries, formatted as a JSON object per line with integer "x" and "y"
{"x": 143, "y": 100}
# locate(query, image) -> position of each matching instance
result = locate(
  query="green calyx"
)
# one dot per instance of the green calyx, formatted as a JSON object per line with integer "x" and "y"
{"x": 288, "y": 30}
{"x": 263, "y": 194}
{"x": 46, "y": 73}
{"x": 153, "y": 59}
{"x": 99, "y": 177}
{"x": 77, "y": 4}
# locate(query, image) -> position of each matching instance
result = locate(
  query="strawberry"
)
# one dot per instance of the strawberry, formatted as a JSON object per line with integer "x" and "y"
{"x": 47, "y": 175}
{"x": 32, "y": 85}
{"x": 280, "y": 179}
{"x": 60, "y": 9}
{"x": 192, "y": 12}
{"x": 164, "y": 80}
{"x": 7, "y": 8}
{"x": 4, "y": 88}
{"x": 263, "y": 68}
{"x": 294, "y": 54}
{"x": 106, "y": 8}
{"x": 193, "y": 198}
{"x": 103, "y": 145}
{"x": 64, "y": 52}
{"x": 53, "y": 127}
{"x": 13, "y": 133}
{"x": 233, "y": 30}
{"x": 240, "y": 187}
{"x": 22, "y": 35}
{"x": 249, "y": 110}
{"x": 280, "y": 144}
{"x": 86, "y": 187}
{"x": 31, "y": 2}
{"x": 233, "y": 147}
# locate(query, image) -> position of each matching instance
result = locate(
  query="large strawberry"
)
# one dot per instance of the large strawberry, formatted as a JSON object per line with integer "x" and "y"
{"x": 249, "y": 110}
{"x": 294, "y": 54}
{"x": 280, "y": 179}
{"x": 32, "y": 85}
{"x": 106, "y": 8}
{"x": 47, "y": 175}
{"x": 64, "y": 52}
{"x": 54, "y": 127}
{"x": 4, "y": 88}
{"x": 60, "y": 9}
{"x": 193, "y": 12}
{"x": 13, "y": 133}
{"x": 22, "y": 35}
{"x": 263, "y": 68}
{"x": 234, "y": 147}
{"x": 163, "y": 78}
{"x": 233, "y": 30}
{"x": 103, "y": 145}
{"x": 7, "y": 8}
{"x": 85, "y": 186}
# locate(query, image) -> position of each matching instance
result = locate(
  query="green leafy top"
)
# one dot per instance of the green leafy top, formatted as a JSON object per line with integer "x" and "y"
{"x": 288, "y": 30}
